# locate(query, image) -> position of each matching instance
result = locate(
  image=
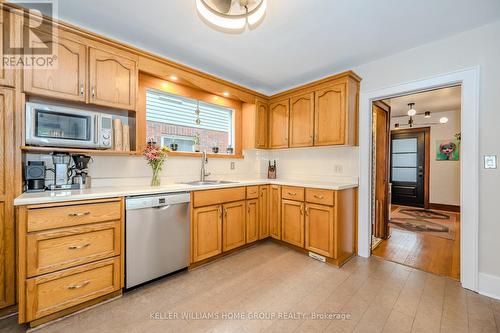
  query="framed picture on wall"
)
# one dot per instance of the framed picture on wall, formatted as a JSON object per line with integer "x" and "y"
{"x": 447, "y": 150}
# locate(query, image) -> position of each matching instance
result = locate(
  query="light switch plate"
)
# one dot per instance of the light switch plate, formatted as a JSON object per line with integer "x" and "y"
{"x": 233, "y": 165}
{"x": 490, "y": 161}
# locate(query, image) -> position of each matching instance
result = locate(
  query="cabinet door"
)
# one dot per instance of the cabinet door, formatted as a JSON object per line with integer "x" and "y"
{"x": 207, "y": 232}
{"x": 67, "y": 79}
{"x": 263, "y": 212}
{"x": 278, "y": 124}
{"x": 330, "y": 115}
{"x": 320, "y": 229}
{"x": 252, "y": 221}
{"x": 292, "y": 222}
{"x": 261, "y": 126}
{"x": 275, "y": 212}
{"x": 233, "y": 231}
{"x": 112, "y": 79}
{"x": 7, "y": 263}
{"x": 6, "y": 75}
{"x": 302, "y": 120}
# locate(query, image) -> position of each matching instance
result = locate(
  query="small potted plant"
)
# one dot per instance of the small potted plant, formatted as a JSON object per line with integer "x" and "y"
{"x": 230, "y": 150}
{"x": 174, "y": 146}
{"x": 215, "y": 147}
{"x": 155, "y": 156}
{"x": 196, "y": 144}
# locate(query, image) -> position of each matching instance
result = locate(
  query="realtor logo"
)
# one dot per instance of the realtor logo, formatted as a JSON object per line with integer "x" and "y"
{"x": 29, "y": 34}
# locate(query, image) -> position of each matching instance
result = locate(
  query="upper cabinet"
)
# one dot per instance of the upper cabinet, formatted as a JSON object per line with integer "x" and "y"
{"x": 85, "y": 71}
{"x": 67, "y": 79}
{"x": 302, "y": 120}
{"x": 330, "y": 116}
{"x": 6, "y": 75}
{"x": 112, "y": 79}
{"x": 262, "y": 123}
{"x": 278, "y": 124}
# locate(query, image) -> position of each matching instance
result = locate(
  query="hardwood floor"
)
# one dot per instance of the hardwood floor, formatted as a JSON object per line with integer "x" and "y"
{"x": 432, "y": 254}
{"x": 269, "y": 282}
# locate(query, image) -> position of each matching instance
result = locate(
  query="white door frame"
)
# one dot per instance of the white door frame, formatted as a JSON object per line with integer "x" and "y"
{"x": 469, "y": 164}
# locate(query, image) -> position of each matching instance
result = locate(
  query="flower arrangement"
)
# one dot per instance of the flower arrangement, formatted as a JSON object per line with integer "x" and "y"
{"x": 155, "y": 156}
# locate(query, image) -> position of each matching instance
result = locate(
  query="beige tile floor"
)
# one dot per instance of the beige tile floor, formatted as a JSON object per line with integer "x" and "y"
{"x": 270, "y": 279}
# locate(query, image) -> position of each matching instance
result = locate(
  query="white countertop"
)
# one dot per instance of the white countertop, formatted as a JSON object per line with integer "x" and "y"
{"x": 123, "y": 191}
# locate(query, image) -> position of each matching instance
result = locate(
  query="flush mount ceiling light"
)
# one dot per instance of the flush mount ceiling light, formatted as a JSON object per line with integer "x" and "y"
{"x": 232, "y": 15}
{"x": 411, "y": 122}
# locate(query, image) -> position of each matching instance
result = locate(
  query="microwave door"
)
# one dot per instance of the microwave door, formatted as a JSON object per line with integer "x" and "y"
{"x": 63, "y": 129}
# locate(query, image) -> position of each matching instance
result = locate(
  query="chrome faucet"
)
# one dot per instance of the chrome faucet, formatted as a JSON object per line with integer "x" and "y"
{"x": 204, "y": 161}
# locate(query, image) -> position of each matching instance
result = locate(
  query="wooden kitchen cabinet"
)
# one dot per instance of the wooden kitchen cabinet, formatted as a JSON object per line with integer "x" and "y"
{"x": 112, "y": 79}
{"x": 278, "y": 124}
{"x": 319, "y": 229}
{"x": 302, "y": 120}
{"x": 252, "y": 221}
{"x": 262, "y": 124}
{"x": 7, "y": 224}
{"x": 67, "y": 80}
{"x": 207, "y": 232}
{"x": 233, "y": 225}
{"x": 292, "y": 222}
{"x": 264, "y": 212}
{"x": 6, "y": 75}
{"x": 330, "y": 115}
{"x": 275, "y": 212}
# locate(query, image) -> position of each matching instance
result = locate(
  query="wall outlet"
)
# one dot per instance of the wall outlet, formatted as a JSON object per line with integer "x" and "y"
{"x": 338, "y": 168}
{"x": 233, "y": 165}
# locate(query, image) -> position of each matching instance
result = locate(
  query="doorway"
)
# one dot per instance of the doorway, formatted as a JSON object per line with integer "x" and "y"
{"x": 407, "y": 228}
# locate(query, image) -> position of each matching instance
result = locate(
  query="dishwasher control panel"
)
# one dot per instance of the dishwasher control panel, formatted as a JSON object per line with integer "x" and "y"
{"x": 159, "y": 200}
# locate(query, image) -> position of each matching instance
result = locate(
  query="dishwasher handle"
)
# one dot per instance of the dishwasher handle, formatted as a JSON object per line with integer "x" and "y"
{"x": 156, "y": 201}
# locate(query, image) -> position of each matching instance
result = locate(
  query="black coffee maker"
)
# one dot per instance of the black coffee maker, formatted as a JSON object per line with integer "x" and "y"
{"x": 34, "y": 174}
{"x": 79, "y": 171}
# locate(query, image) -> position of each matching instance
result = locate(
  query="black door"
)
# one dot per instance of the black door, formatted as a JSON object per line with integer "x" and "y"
{"x": 408, "y": 167}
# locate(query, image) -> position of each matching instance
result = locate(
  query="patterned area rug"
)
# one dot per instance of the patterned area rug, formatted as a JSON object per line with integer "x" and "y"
{"x": 435, "y": 223}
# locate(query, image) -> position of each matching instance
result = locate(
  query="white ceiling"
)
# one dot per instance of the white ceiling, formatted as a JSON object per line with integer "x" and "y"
{"x": 298, "y": 41}
{"x": 440, "y": 100}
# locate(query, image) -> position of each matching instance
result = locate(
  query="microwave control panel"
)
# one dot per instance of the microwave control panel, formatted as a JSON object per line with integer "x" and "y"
{"x": 106, "y": 131}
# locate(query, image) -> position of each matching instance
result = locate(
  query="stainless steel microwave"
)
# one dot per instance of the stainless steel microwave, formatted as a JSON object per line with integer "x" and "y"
{"x": 58, "y": 126}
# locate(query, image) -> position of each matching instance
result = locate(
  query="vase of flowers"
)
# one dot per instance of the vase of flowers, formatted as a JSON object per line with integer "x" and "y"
{"x": 155, "y": 156}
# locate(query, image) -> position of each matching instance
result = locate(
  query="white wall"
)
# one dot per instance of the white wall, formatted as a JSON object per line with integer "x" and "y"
{"x": 444, "y": 178}
{"x": 475, "y": 47}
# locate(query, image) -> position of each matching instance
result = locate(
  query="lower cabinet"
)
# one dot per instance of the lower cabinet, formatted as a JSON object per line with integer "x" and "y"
{"x": 263, "y": 212}
{"x": 319, "y": 227}
{"x": 275, "y": 211}
{"x": 207, "y": 232}
{"x": 252, "y": 221}
{"x": 233, "y": 225}
{"x": 292, "y": 222}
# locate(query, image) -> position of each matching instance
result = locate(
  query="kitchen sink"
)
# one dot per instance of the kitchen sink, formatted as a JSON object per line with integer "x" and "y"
{"x": 209, "y": 182}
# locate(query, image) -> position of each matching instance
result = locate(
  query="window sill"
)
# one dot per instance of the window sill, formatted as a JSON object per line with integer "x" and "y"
{"x": 190, "y": 154}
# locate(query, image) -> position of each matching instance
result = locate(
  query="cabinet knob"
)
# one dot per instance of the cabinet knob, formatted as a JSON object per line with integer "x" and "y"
{"x": 82, "y": 89}
{"x": 93, "y": 92}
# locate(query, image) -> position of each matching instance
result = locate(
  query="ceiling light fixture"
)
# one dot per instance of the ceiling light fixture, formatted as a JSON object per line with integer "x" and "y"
{"x": 411, "y": 122}
{"x": 234, "y": 15}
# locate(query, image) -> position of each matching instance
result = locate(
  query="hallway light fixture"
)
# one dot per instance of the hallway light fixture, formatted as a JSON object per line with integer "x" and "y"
{"x": 232, "y": 15}
{"x": 412, "y": 112}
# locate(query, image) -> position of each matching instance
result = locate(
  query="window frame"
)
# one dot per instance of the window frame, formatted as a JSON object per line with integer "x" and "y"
{"x": 150, "y": 82}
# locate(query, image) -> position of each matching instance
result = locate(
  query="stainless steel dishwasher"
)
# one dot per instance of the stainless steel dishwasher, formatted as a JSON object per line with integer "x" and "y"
{"x": 156, "y": 236}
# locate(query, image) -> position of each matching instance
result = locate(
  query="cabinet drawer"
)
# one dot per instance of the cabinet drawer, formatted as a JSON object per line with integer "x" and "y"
{"x": 53, "y": 250}
{"x": 292, "y": 193}
{"x": 322, "y": 197}
{"x": 216, "y": 197}
{"x": 252, "y": 192}
{"x": 70, "y": 215}
{"x": 54, "y": 292}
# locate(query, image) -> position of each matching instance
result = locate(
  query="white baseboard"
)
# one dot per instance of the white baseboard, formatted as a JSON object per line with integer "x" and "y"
{"x": 489, "y": 285}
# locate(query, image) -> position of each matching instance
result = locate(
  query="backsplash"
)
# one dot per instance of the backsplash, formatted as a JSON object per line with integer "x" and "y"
{"x": 320, "y": 164}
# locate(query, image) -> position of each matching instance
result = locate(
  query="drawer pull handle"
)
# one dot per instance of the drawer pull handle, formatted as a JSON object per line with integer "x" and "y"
{"x": 79, "y": 214}
{"x": 319, "y": 196}
{"x": 292, "y": 193}
{"x": 78, "y": 247}
{"x": 78, "y": 286}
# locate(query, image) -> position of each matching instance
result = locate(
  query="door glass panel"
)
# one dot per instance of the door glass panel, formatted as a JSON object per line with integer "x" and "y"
{"x": 404, "y": 145}
{"x": 62, "y": 126}
{"x": 404, "y": 175}
{"x": 404, "y": 160}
